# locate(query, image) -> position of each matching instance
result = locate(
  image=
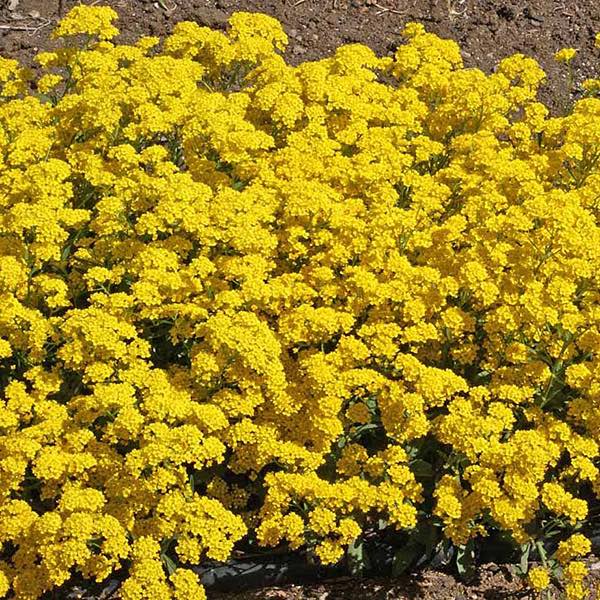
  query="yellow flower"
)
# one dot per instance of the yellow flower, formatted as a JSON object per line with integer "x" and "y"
{"x": 47, "y": 82}
{"x": 574, "y": 546}
{"x": 90, "y": 20}
{"x": 565, "y": 55}
{"x": 244, "y": 298}
{"x": 187, "y": 585}
{"x": 359, "y": 413}
{"x": 539, "y": 578}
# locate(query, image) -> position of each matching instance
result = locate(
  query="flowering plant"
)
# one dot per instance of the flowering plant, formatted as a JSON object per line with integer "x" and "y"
{"x": 241, "y": 298}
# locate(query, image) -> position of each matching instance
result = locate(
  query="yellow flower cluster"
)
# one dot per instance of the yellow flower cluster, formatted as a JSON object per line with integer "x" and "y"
{"x": 243, "y": 298}
{"x": 565, "y": 55}
{"x": 539, "y": 578}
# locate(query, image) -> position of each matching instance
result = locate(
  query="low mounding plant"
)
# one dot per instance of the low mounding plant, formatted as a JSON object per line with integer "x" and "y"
{"x": 245, "y": 302}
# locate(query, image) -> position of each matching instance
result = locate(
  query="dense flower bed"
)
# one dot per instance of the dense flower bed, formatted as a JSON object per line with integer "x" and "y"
{"x": 245, "y": 301}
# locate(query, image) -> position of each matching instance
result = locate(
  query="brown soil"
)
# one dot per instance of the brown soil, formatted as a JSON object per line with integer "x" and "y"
{"x": 492, "y": 582}
{"x": 487, "y": 30}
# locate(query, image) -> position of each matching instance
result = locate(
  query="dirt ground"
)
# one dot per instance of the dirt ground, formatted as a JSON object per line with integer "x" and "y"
{"x": 493, "y": 582}
{"x": 487, "y": 30}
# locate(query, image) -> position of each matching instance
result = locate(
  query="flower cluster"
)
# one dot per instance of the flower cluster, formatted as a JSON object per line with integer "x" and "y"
{"x": 241, "y": 298}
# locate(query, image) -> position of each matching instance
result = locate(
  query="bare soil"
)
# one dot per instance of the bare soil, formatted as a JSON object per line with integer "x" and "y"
{"x": 487, "y": 30}
{"x": 492, "y": 582}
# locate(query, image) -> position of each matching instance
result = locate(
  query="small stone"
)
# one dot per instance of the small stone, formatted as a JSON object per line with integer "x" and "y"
{"x": 533, "y": 16}
{"x": 506, "y": 12}
{"x": 211, "y": 17}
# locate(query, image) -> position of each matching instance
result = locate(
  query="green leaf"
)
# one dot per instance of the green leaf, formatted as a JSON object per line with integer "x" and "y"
{"x": 524, "y": 563}
{"x": 443, "y": 554}
{"x": 366, "y": 427}
{"x": 169, "y": 564}
{"x": 541, "y": 551}
{"x": 428, "y": 536}
{"x": 358, "y": 559}
{"x": 465, "y": 560}
{"x": 421, "y": 468}
{"x": 404, "y": 558}
{"x": 371, "y": 403}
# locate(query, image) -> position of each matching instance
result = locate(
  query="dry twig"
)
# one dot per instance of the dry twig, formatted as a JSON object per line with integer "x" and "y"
{"x": 45, "y": 24}
{"x": 16, "y": 28}
{"x": 31, "y": 30}
{"x": 451, "y": 10}
{"x": 166, "y": 8}
{"x": 385, "y": 9}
